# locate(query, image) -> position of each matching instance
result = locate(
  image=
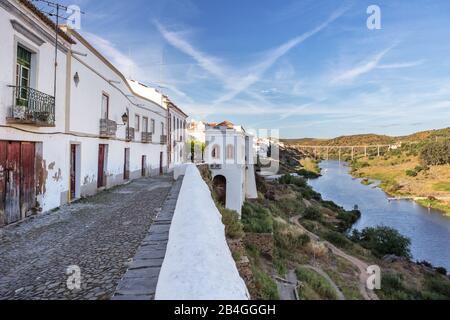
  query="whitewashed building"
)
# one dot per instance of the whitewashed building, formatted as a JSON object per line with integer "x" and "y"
{"x": 230, "y": 155}
{"x": 96, "y": 131}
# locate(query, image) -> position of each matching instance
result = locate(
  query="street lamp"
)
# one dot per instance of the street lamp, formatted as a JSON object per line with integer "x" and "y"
{"x": 125, "y": 119}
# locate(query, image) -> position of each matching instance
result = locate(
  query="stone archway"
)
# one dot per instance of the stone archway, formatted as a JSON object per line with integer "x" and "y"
{"x": 220, "y": 189}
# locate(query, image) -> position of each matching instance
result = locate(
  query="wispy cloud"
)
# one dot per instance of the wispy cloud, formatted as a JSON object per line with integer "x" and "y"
{"x": 402, "y": 65}
{"x": 123, "y": 62}
{"x": 364, "y": 68}
{"x": 236, "y": 82}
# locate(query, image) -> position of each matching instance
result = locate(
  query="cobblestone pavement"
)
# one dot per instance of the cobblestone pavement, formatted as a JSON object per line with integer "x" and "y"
{"x": 100, "y": 235}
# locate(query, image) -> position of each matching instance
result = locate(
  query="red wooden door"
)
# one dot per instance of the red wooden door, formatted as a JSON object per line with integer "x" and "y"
{"x": 3, "y": 149}
{"x": 27, "y": 180}
{"x": 73, "y": 161}
{"x": 101, "y": 166}
{"x": 12, "y": 202}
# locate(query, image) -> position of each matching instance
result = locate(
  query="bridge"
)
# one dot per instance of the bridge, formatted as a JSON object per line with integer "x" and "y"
{"x": 317, "y": 150}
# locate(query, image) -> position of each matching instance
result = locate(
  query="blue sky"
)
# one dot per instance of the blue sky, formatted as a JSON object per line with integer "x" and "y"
{"x": 309, "y": 68}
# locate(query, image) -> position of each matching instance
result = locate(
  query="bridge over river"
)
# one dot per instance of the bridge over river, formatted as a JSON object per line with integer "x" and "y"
{"x": 318, "y": 150}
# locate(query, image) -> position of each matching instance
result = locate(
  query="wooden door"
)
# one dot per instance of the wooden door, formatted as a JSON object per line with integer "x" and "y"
{"x": 12, "y": 199}
{"x": 3, "y": 148}
{"x": 73, "y": 171}
{"x": 27, "y": 179}
{"x": 126, "y": 167}
{"x": 144, "y": 166}
{"x": 161, "y": 170}
{"x": 101, "y": 166}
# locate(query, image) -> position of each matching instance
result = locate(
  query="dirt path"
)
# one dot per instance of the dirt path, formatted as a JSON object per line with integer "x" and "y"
{"x": 362, "y": 266}
{"x": 327, "y": 277}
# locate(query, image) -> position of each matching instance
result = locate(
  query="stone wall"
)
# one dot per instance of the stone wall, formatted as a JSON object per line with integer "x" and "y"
{"x": 262, "y": 241}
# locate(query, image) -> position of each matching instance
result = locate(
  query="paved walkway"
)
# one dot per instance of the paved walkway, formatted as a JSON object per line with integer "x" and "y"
{"x": 100, "y": 235}
{"x": 141, "y": 279}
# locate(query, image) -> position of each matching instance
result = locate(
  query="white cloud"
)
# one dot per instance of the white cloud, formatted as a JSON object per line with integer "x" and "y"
{"x": 368, "y": 66}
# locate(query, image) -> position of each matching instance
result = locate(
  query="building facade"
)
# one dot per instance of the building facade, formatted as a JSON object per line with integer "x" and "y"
{"x": 229, "y": 154}
{"x": 96, "y": 130}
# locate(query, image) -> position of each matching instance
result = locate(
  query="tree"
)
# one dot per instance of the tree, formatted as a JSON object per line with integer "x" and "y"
{"x": 383, "y": 241}
{"x": 436, "y": 153}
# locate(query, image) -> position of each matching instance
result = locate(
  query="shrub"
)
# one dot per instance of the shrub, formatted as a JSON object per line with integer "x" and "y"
{"x": 308, "y": 174}
{"x": 383, "y": 241}
{"x": 233, "y": 227}
{"x": 317, "y": 283}
{"x": 256, "y": 218}
{"x": 266, "y": 287}
{"x": 289, "y": 179}
{"x": 338, "y": 239}
{"x": 411, "y": 173}
{"x": 312, "y": 213}
{"x": 436, "y": 153}
{"x": 348, "y": 218}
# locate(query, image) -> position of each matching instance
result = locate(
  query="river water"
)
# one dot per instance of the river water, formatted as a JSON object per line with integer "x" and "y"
{"x": 429, "y": 230}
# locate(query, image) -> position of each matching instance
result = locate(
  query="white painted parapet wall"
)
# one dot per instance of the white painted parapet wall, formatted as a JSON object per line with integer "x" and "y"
{"x": 198, "y": 263}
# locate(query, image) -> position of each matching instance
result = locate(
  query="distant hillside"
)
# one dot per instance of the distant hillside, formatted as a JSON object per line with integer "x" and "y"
{"x": 370, "y": 139}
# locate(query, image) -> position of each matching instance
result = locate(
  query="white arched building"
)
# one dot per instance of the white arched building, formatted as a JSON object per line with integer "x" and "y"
{"x": 229, "y": 154}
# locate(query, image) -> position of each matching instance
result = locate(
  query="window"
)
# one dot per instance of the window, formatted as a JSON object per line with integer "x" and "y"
{"x": 145, "y": 124}
{"x": 215, "y": 152}
{"x": 230, "y": 152}
{"x": 137, "y": 123}
{"x": 162, "y": 128}
{"x": 23, "y": 67}
{"x": 105, "y": 106}
{"x": 152, "y": 126}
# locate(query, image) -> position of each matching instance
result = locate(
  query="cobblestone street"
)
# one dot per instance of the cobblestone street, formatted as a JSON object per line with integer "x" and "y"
{"x": 100, "y": 235}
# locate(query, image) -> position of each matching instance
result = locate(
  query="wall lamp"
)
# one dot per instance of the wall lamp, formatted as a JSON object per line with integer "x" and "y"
{"x": 124, "y": 119}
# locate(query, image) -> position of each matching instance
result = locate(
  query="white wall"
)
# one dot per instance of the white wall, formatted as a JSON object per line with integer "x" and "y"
{"x": 42, "y": 67}
{"x": 198, "y": 264}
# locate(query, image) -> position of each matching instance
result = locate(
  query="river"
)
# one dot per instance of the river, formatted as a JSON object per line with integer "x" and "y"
{"x": 429, "y": 230}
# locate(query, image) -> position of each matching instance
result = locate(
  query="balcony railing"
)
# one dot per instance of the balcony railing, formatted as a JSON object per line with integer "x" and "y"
{"x": 108, "y": 128}
{"x": 33, "y": 107}
{"x": 130, "y": 133}
{"x": 163, "y": 139}
{"x": 146, "y": 137}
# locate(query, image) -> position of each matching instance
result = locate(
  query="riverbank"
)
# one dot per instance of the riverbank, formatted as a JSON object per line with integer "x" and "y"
{"x": 404, "y": 176}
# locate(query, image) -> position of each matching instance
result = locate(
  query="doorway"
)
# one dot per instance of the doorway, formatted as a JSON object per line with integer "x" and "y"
{"x": 144, "y": 166}
{"x": 17, "y": 181}
{"x": 102, "y": 156}
{"x": 126, "y": 167}
{"x": 161, "y": 159}
{"x": 220, "y": 189}
{"x": 75, "y": 173}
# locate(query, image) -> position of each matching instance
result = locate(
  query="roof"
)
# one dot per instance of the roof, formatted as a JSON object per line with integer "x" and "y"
{"x": 46, "y": 20}
{"x": 146, "y": 92}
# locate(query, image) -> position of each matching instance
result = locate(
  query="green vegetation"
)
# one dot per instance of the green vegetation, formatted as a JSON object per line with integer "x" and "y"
{"x": 314, "y": 286}
{"x": 436, "y": 153}
{"x": 233, "y": 226}
{"x": 256, "y": 218}
{"x": 435, "y": 204}
{"x": 313, "y": 213}
{"x": 394, "y": 286}
{"x": 383, "y": 241}
{"x": 442, "y": 186}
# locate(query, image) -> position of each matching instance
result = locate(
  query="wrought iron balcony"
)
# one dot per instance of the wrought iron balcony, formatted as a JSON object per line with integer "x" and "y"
{"x": 130, "y": 134}
{"x": 147, "y": 137}
{"x": 32, "y": 107}
{"x": 108, "y": 128}
{"x": 163, "y": 139}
